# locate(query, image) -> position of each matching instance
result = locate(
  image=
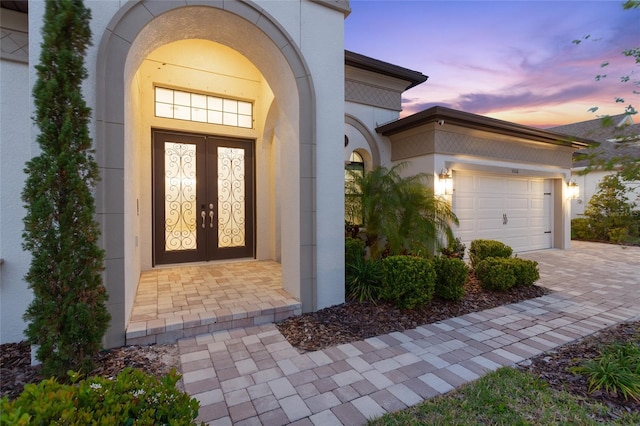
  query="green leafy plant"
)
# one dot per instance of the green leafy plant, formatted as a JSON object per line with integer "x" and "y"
{"x": 354, "y": 250}
{"x": 454, "y": 249}
{"x": 481, "y": 249}
{"x": 496, "y": 273}
{"x": 67, "y": 317}
{"x": 451, "y": 276}
{"x": 133, "y": 397}
{"x": 363, "y": 279}
{"x": 616, "y": 371}
{"x": 407, "y": 281}
{"x": 610, "y": 213}
{"x": 400, "y": 214}
{"x": 581, "y": 229}
{"x": 526, "y": 271}
{"x": 503, "y": 273}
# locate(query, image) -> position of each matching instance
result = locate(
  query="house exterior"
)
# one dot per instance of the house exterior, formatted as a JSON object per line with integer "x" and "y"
{"x": 620, "y": 138}
{"x": 268, "y": 88}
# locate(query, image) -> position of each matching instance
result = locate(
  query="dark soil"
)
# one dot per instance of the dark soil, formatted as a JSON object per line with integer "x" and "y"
{"x": 554, "y": 367}
{"x": 16, "y": 370}
{"x": 356, "y": 321}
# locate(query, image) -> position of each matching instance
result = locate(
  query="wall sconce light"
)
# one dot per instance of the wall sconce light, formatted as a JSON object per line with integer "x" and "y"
{"x": 445, "y": 182}
{"x": 573, "y": 190}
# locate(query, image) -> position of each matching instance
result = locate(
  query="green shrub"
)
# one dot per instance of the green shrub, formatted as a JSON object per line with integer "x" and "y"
{"x": 133, "y": 397}
{"x": 408, "y": 281}
{"x": 454, "y": 249}
{"x": 526, "y": 271}
{"x": 353, "y": 250}
{"x": 481, "y": 249}
{"x": 616, "y": 370}
{"x": 500, "y": 273}
{"x": 581, "y": 229}
{"x": 363, "y": 277}
{"x": 451, "y": 275}
{"x": 496, "y": 273}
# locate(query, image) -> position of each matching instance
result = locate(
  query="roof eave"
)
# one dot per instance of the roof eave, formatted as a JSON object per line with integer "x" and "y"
{"x": 439, "y": 114}
{"x": 357, "y": 60}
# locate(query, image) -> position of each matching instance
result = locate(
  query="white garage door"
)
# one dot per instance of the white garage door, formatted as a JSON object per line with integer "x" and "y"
{"x": 514, "y": 210}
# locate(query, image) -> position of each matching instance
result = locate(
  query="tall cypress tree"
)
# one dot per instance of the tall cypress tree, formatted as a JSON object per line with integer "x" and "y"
{"x": 68, "y": 316}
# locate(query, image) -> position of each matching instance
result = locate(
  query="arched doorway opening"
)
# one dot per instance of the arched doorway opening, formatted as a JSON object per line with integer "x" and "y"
{"x": 136, "y": 41}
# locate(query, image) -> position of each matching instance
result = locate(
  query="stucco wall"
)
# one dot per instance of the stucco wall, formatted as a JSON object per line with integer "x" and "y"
{"x": 16, "y": 148}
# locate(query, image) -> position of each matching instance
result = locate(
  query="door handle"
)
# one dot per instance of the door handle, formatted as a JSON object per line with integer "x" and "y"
{"x": 203, "y": 215}
{"x": 210, "y": 218}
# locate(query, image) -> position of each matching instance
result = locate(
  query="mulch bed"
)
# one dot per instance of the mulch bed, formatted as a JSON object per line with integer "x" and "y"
{"x": 354, "y": 320}
{"x": 554, "y": 367}
{"x": 16, "y": 370}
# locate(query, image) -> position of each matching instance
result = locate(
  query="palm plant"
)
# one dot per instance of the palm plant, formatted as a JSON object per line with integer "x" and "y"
{"x": 400, "y": 214}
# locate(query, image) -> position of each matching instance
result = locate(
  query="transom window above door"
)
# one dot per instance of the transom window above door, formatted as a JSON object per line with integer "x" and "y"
{"x": 182, "y": 105}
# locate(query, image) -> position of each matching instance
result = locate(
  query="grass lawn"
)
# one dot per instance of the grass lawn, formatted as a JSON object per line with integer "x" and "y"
{"x": 505, "y": 397}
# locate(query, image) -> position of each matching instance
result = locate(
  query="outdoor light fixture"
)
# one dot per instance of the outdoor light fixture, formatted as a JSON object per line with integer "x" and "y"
{"x": 445, "y": 182}
{"x": 573, "y": 190}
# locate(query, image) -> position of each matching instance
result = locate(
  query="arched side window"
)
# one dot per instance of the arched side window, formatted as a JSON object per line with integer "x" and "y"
{"x": 354, "y": 169}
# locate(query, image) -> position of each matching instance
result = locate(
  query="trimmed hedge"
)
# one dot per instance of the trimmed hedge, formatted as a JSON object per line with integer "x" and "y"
{"x": 408, "y": 281}
{"x": 482, "y": 249}
{"x": 451, "y": 275}
{"x": 133, "y": 397}
{"x": 500, "y": 274}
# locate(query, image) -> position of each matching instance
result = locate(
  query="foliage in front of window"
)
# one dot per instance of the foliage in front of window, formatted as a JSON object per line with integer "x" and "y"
{"x": 401, "y": 215}
{"x": 451, "y": 276}
{"x": 610, "y": 215}
{"x": 481, "y": 249}
{"x": 67, "y": 317}
{"x": 503, "y": 273}
{"x": 133, "y": 397}
{"x": 407, "y": 281}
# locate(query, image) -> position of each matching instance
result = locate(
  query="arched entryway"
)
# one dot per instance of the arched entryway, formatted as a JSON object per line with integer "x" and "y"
{"x": 193, "y": 39}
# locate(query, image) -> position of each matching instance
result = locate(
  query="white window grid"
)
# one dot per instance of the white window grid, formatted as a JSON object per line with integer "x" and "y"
{"x": 183, "y": 105}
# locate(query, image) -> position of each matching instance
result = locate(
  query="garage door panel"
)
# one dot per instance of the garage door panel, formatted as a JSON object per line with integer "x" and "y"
{"x": 517, "y": 186}
{"x": 481, "y": 201}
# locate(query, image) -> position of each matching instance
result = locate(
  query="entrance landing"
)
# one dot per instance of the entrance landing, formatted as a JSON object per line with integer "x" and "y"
{"x": 172, "y": 303}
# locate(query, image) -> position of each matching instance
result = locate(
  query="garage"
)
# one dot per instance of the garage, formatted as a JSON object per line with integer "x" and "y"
{"x": 514, "y": 210}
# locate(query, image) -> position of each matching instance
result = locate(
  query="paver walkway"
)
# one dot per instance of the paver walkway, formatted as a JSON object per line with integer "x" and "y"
{"x": 253, "y": 376}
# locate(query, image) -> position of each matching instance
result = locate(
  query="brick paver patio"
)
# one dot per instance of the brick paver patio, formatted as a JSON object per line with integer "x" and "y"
{"x": 252, "y": 375}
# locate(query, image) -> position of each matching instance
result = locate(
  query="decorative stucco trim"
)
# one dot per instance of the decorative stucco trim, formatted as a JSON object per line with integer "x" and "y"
{"x": 339, "y": 5}
{"x": 14, "y": 36}
{"x": 368, "y": 94}
{"x": 360, "y": 127}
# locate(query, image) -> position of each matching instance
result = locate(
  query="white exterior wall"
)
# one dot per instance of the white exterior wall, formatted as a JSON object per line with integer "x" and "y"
{"x": 15, "y": 149}
{"x": 322, "y": 44}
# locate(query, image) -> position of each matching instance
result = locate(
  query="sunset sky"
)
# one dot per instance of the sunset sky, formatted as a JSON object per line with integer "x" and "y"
{"x": 511, "y": 60}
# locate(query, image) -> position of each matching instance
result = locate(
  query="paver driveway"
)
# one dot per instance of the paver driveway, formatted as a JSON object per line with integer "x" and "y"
{"x": 254, "y": 376}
